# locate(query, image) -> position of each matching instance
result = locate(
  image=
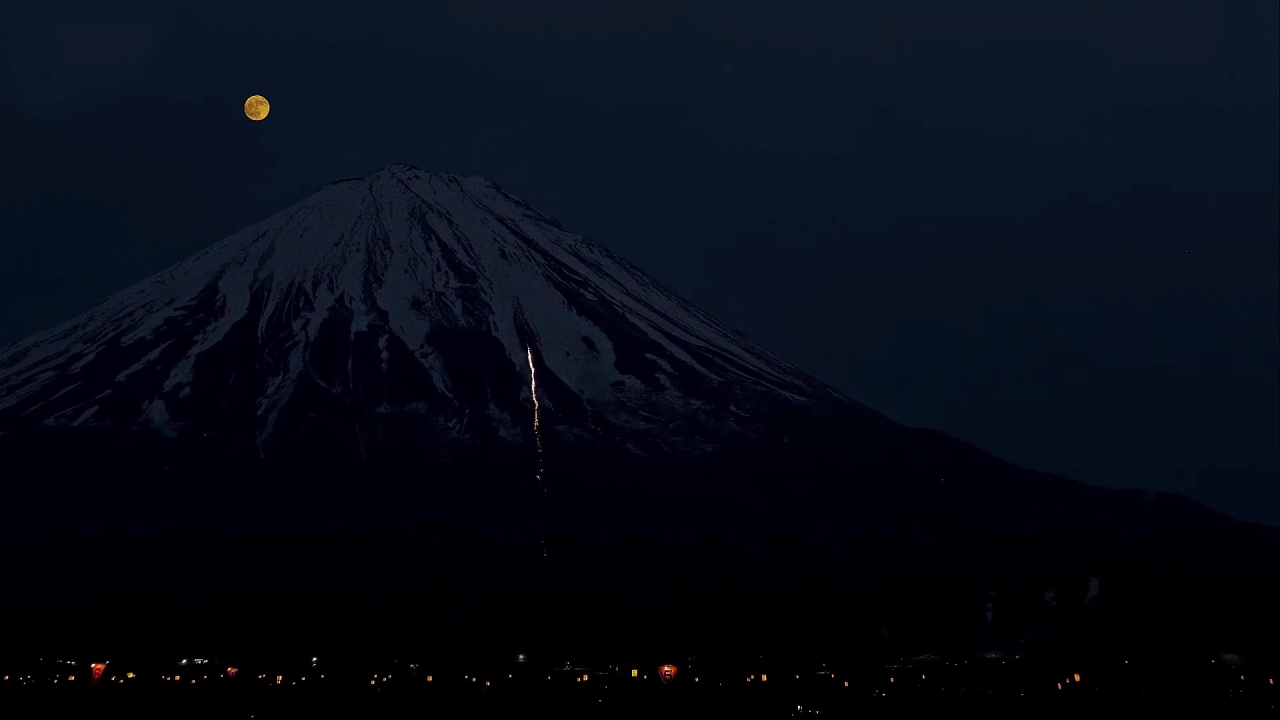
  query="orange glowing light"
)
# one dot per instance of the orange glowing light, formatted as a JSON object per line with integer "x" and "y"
{"x": 97, "y": 669}
{"x": 584, "y": 678}
{"x": 71, "y": 677}
{"x": 667, "y": 672}
{"x": 428, "y": 678}
{"x": 1059, "y": 686}
{"x": 373, "y": 682}
{"x": 231, "y": 672}
{"x": 764, "y": 678}
{"x": 279, "y": 678}
{"x": 635, "y": 673}
{"x": 1077, "y": 677}
{"x": 128, "y": 675}
{"x": 486, "y": 683}
{"x": 846, "y": 683}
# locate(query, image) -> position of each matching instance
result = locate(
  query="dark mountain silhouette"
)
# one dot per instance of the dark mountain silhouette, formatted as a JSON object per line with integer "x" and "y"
{"x": 412, "y": 406}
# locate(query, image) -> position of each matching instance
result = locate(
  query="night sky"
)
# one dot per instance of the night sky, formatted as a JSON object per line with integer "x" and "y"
{"x": 1049, "y": 228}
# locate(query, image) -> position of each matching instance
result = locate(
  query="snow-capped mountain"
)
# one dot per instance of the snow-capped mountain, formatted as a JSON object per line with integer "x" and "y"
{"x": 392, "y": 355}
{"x": 406, "y": 299}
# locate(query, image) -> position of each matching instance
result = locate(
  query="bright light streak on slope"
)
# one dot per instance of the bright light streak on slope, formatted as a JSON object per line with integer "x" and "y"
{"x": 537, "y": 426}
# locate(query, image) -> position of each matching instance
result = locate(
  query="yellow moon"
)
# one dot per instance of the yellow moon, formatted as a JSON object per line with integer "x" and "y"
{"x": 256, "y": 107}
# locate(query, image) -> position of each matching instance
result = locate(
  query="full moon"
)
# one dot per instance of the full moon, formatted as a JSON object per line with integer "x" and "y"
{"x": 256, "y": 107}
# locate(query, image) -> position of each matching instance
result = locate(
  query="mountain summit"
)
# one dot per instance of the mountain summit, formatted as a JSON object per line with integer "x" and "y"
{"x": 407, "y": 303}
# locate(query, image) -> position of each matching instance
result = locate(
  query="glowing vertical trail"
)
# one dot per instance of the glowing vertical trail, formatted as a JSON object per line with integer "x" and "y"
{"x": 537, "y": 425}
{"x": 537, "y": 428}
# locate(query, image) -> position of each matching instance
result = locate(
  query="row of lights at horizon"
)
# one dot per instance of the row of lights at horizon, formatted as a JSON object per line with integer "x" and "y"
{"x": 764, "y": 677}
{"x": 280, "y": 679}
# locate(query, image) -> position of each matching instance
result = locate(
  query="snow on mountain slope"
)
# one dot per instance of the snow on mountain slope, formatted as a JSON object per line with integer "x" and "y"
{"x": 411, "y": 297}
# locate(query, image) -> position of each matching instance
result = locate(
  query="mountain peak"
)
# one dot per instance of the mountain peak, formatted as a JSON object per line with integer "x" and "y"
{"x": 430, "y": 299}
{"x": 405, "y": 170}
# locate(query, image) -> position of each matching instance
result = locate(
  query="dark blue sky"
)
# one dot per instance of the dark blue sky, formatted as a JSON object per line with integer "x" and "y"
{"x": 1047, "y": 227}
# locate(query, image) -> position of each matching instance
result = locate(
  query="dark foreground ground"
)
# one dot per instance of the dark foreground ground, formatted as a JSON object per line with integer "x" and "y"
{"x": 899, "y": 547}
{"x": 705, "y": 689}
